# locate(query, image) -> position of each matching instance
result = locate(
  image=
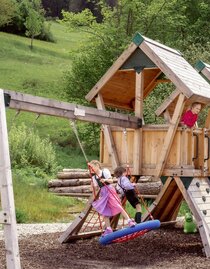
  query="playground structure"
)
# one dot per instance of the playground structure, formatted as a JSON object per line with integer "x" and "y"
{"x": 179, "y": 156}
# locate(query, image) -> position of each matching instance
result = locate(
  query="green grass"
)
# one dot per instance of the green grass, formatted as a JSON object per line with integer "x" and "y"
{"x": 35, "y": 204}
{"x": 40, "y": 72}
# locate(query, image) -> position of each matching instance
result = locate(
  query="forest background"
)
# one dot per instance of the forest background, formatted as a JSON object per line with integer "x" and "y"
{"x": 60, "y": 49}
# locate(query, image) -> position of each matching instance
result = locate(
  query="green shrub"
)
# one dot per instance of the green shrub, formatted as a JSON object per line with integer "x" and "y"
{"x": 21, "y": 216}
{"x": 27, "y": 148}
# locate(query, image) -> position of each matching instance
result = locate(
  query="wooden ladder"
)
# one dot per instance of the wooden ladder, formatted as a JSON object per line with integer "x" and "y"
{"x": 196, "y": 192}
{"x": 199, "y": 195}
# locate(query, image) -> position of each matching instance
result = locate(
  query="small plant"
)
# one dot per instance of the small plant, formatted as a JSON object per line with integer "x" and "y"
{"x": 21, "y": 216}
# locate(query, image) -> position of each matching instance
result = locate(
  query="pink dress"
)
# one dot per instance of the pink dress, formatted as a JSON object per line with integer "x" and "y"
{"x": 108, "y": 204}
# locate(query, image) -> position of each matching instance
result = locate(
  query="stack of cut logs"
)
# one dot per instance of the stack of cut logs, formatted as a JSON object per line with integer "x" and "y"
{"x": 77, "y": 183}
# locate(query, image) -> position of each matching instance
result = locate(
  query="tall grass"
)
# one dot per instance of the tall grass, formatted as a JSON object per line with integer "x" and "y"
{"x": 35, "y": 204}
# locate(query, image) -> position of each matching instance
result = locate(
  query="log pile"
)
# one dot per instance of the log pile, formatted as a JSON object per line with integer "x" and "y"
{"x": 77, "y": 183}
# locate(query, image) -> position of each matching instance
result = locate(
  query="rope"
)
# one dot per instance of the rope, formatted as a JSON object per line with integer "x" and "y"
{"x": 74, "y": 128}
{"x": 113, "y": 193}
{"x": 13, "y": 119}
{"x": 34, "y": 122}
{"x": 91, "y": 170}
{"x": 142, "y": 199}
{"x": 126, "y": 146}
{"x": 73, "y": 125}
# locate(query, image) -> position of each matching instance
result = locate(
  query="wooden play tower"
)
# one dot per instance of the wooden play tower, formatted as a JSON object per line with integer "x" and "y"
{"x": 179, "y": 156}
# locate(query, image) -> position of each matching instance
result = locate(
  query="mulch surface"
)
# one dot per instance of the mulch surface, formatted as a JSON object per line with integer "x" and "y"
{"x": 163, "y": 248}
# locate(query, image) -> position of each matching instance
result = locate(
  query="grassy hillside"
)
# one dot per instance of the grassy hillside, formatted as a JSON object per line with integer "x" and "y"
{"x": 40, "y": 72}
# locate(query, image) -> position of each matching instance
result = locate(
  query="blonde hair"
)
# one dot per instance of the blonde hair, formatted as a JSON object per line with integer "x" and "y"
{"x": 96, "y": 162}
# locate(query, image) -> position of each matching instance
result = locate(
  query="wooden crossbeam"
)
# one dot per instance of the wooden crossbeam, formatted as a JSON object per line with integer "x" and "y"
{"x": 41, "y": 105}
{"x": 151, "y": 85}
{"x": 167, "y": 102}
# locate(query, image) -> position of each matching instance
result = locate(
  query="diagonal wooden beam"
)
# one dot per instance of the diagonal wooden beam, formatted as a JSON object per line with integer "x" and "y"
{"x": 111, "y": 71}
{"x": 170, "y": 135}
{"x": 108, "y": 136}
{"x": 167, "y": 102}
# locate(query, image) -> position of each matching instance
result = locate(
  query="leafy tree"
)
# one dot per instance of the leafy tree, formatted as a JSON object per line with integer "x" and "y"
{"x": 7, "y": 11}
{"x": 33, "y": 25}
{"x": 23, "y": 8}
{"x": 175, "y": 23}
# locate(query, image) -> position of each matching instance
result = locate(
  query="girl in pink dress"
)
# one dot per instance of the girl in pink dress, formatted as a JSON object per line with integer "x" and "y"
{"x": 108, "y": 204}
{"x": 189, "y": 118}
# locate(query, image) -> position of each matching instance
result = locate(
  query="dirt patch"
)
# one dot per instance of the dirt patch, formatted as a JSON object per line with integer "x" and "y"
{"x": 162, "y": 248}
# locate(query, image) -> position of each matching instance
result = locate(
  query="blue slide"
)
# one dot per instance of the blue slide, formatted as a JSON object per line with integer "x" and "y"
{"x": 147, "y": 225}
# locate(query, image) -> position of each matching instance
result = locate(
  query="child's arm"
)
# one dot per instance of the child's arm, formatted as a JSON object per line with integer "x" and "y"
{"x": 108, "y": 180}
{"x": 126, "y": 183}
{"x": 107, "y": 175}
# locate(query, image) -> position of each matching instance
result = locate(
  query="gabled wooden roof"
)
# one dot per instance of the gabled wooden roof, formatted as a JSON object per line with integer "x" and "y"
{"x": 117, "y": 86}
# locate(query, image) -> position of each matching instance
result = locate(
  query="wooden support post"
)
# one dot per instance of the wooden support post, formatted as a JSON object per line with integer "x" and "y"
{"x": 170, "y": 135}
{"x": 207, "y": 122}
{"x": 7, "y": 197}
{"x": 137, "y": 145}
{"x": 201, "y": 152}
{"x": 108, "y": 136}
{"x": 183, "y": 151}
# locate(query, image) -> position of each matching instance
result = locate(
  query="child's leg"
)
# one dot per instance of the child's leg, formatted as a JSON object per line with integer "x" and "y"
{"x": 107, "y": 222}
{"x": 124, "y": 214}
{"x": 138, "y": 208}
{"x": 138, "y": 213}
{"x": 131, "y": 222}
{"x": 108, "y": 229}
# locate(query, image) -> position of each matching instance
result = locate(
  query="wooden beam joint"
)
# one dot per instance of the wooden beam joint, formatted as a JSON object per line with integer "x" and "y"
{"x": 5, "y": 217}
